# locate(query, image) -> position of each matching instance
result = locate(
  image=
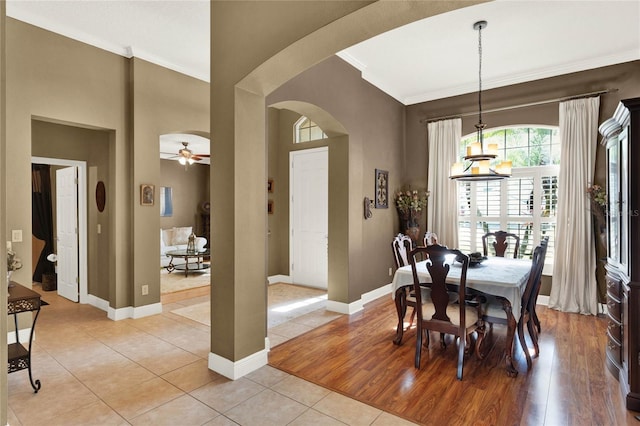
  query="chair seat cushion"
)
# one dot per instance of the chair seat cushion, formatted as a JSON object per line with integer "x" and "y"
{"x": 453, "y": 311}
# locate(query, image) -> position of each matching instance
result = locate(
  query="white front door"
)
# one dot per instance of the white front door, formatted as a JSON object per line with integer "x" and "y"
{"x": 309, "y": 188}
{"x": 67, "y": 232}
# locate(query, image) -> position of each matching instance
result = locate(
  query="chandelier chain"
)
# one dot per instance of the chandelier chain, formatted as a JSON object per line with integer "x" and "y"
{"x": 480, "y": 74}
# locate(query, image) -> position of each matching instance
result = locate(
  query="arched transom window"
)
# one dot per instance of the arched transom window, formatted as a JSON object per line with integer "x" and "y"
{"x": 305, "y": 130}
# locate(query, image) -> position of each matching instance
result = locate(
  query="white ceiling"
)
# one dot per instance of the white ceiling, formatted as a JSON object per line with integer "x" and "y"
{"x": 525, "y": 40}
{"x": 171, "y": 144}
{"x": 171, "y": 33}
{"x": 429, "y": 59}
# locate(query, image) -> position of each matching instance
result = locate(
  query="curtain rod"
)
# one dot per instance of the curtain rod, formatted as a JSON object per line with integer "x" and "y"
{"x": 548, "y": 101}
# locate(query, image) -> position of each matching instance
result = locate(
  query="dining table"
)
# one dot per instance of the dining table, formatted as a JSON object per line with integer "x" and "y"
{"x": 502, "y": 277}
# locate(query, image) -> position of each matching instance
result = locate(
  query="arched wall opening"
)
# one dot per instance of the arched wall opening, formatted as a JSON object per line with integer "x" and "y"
{"x": 281, "y": 142}
{"x": 245, "y": 73}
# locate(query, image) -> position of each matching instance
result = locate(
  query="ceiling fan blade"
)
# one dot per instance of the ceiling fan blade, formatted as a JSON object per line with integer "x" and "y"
{"x": 203, "y": 155}
{"x": 170, "y": 154}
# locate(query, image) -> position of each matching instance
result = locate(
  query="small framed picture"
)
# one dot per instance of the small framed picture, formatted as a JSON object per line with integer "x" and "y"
{"x": 382, "y": 189}
{"x": 270, "y": 207}
{"x": 270, "y": 186}
{"x": 146, "y": 194}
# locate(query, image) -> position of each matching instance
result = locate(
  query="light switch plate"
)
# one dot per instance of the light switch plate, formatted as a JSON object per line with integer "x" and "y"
{"x": 16, "y": 235}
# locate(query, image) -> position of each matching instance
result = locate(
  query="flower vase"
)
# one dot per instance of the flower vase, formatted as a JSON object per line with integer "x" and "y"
{"x": 413, "y": 232}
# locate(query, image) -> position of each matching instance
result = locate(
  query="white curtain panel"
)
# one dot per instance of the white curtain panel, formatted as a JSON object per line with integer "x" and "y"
{"x": 444, "y": 141}
{"x": 574, "y": 287}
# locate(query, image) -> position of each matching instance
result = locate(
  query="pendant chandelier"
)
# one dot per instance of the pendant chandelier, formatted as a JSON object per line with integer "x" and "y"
{"x": 478, "y": 167}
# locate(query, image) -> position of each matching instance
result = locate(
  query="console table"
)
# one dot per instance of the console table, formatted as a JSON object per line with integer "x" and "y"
{"x": 22, "y": 299}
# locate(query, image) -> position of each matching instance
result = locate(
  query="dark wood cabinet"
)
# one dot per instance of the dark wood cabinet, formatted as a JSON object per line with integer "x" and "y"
{"x": 622, "y": 137}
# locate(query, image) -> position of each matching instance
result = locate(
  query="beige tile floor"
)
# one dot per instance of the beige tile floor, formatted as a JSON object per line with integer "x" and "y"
{"x": 153, "y": 371}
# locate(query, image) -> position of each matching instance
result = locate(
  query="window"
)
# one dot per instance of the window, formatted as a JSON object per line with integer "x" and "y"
{"x": 524, "y": 204}
{"x": 305, "y": 130}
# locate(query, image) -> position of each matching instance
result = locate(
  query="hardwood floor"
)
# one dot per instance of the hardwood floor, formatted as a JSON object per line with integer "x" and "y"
{"x": 567, "y": 385}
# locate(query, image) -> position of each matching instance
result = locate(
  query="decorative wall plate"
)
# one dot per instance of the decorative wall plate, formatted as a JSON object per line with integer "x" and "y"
{"x": 101, "y": 196}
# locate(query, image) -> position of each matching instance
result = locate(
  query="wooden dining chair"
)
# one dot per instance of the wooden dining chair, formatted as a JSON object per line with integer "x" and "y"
{"x": 494, "y": 310}
{"x": 440, "y": 314}
{"x": 430, "y": 238}
{"x": 500, "y": 243}
{"x": 535, "y": 322}
{"x": 402, "y": 246}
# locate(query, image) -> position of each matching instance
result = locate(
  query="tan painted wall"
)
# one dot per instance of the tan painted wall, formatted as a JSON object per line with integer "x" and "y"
{"x": 3, "y": 223}
{"x": 58, "y": 79}
{"x": 190, "y": 187}
{"x": 277, "y": 262}
{"x": 338, "y": 241}
{"x": 52, "y": 140}
{"x": 255, "y": 48}
{"x": 374, "y": 122}
{"x": 163, "y": 101}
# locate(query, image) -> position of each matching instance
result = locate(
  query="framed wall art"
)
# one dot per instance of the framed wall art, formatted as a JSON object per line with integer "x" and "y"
{"x": 166, "y": 201}
{"x": 146, "y": 194}
{"x": 382, "y": 189}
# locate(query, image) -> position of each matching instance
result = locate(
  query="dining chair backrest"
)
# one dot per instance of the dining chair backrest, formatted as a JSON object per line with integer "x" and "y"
{"x": 500, "y": 243}
{"x": 401, "y": 246}
{"x": 441, "y": 313}
{"x": 438, "y": 260}
{"x": 533, "y": 281}
{"x": 430, "y": 238}
{"x": 533, "y": 297}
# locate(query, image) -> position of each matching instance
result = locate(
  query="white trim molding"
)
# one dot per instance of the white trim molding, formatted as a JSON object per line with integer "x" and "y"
{"x": 358, "y": 305}
{"x": 126, "y": 312}
{"x": 235, "y": 370}
{"x": 279, "y": 279}
{"x": 542, "y": 300}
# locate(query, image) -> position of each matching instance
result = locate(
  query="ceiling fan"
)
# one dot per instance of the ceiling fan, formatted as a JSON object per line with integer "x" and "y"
{"x": 186, "y": 156}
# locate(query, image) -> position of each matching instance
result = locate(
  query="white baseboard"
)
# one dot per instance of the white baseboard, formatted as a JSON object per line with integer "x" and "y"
{"x": 120, "y": 313}
{"x": 279, "y": 279}
{"x": 126, "y": 312}
{"x": 542, "y": 300}
{"x": 235, "y": 370}
{"x": 101, "y": 304}
{"x": 147, "y": 310}
{"x": 358, "y": 305}
{"x": 344, "y": 308}
{"x": 377, "y": 293}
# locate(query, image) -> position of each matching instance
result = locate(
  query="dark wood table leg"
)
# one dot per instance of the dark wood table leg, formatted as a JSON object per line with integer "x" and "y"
{"x": 401, "y": 309}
